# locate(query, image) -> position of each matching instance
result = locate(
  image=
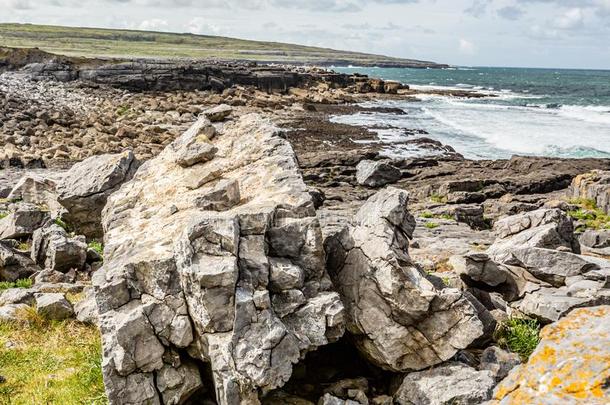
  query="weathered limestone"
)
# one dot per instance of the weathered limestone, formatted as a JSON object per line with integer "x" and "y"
{"x": 38, "y": 190}
{"x": 23, "y": 221}
{"x": 54, "y": 306}
{"x": 397, "y": 318}
{"x": 551, "y": 304}
{"x": 15, "y": 265}
{"x": 543, "y": 228}
{"x": 54, "y": 249}
{"x": 86, "y": 186}
{"x": 376, "y": 173}
{"x": 217, "y": 265}
{"x": 571, "y": 365}
{"x": 454, "y": 383}
{"x": 592, "y": 186}
{"x": 498, "y": 361}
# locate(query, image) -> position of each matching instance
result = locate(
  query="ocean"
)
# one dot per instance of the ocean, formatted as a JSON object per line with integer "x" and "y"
{"x": 538, "y": 112}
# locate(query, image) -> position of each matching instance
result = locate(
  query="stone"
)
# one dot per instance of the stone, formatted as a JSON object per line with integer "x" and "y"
{"x": 218, "y": 113}
{"x": 53, "y": 306}
{"x": 16, "y": 296}
{"x": 196, "y": 147}
{"x": 54, "y": 249}
{"x": 397, "y": 318}
{"x": 594, "y": 238}
{"x": 22, "y": 222}
{"x": 329, "y": 399}
{"x": 86, "y": 186}
{"x": 11, "y": 312}
{"x": 551, "y": 304}
{"x": 595, "y": 186}
{"x": 372, "y": 173}
{"x": 569, "y": 365}
{"x": 37, "y": 190}
{"x": 453, "y": 383}
{"x": 234, "y": 276}
{"x": 544, "y": 228}
{"x": 86, "y": 309}
{"x": 498, "y": 361}
{"x": 15, "y": 265}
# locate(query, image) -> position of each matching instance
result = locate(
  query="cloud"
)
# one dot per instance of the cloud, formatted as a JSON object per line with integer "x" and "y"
{"x": 511, "y": 13}
{"x": 17, "y": 4}
{"x": 478, "y": 8}
{"x": 571, "y": 19}
{"x": 154, "y": 24}
{"x": 466, "y": 47}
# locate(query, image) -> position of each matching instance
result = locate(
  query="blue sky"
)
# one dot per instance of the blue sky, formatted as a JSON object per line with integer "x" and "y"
{"x": 536, "y": 33}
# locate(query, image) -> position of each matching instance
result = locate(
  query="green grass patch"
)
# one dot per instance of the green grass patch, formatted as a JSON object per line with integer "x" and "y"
{"x": 60, "y": 222}
{"x": 427, "y": 215}
{"x": 3, "y": 214}
{"x": 431, "y": 225}
{"x": 50, "y": 362}
{"x": 519, "y": 335}
{"x": 97, "y": 247}
{"x": 24, "y": 246}
{"x": 439, "y": 199}
{"x": 589, "y": 214}
{"x": 22, "y": 283}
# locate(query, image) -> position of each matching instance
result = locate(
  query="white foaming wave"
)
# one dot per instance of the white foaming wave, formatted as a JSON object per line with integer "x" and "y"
{"x": 595, "y": 114}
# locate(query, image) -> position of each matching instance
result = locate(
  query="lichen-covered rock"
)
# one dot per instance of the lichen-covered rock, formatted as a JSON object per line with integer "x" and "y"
{"x": 454, "y": 383}
{"x": 571, "y": 365}
{"x": 398, "y": 319}
{"x": 217, "y": 265}
{"x": 592, "y": 186}
{"x": 84, "y": 189}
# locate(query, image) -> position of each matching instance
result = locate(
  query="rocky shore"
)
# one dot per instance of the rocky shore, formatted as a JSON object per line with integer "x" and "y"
{"x": 256, "y": 252}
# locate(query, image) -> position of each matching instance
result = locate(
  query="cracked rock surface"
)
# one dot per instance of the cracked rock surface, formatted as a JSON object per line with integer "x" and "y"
{"x": 219, "y": 266}
{"x": 398, "y": 319}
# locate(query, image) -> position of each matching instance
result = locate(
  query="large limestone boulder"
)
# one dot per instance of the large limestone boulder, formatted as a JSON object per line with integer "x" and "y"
{"x": 39, "y": 190}
{"x": 218, "y": 265}
{"x": 376, "y": 173}
{"x": 54, "y": 249}
{"x": 571, "y": 365}
{"x": 23, "y": 221}
{"x": 15, "y": 265}
{"x": 398, "y": 319}
{"x": 543, "y": 228}
{"x": 86, "y": 186}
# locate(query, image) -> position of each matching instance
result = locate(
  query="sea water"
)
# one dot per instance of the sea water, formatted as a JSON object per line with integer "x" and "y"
{"x": 539, "y": 112}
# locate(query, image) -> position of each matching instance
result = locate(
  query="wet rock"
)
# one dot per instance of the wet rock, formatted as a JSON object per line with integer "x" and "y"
{"x": 498, "y": 361}
{"x": 86, "y": 186}
{"x": 54, "y": 306}
{"x": 23, "y": 221}
{"x": 54, "y": 249}
{"x": 398, "y": 319}
{"x": 453, "y": 383}
{"x": 239, "y": 286}
{"x": 568, "y": 366}
{"x": 376, "y": 173}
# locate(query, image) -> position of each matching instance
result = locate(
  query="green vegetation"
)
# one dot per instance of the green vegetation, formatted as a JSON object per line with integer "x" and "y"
{"x": 427, "y": 215}
{"x": 47, "y": 362}
{"x": 61, "y": 223}
{"x": 589, "y": 214}
{"x": 22, "y": 283}
{"x": 122, "y": 110}
{"x": 97, "y": 247}
{"x": 431, "y": 225}
{"x": 24, "y": 246}
{"x": 96, "y": 42}
{"x": 3, "y": 214}
{"x": 519, "y": 335}
{"x": 439, "y": 199}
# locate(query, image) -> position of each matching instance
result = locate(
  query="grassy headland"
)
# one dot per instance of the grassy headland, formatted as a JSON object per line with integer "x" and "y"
{"x": 97, "y": 42}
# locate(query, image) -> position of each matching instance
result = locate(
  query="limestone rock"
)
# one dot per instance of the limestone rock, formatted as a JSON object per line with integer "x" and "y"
{"x": 23, "y": 221}
{"x": 38, "y": 190}
{"x": 53, "y": 249}
{"x": 569, "y": 366}
{"x": 86, "y": 186}
{"x": 454, "y": 383}
{"x": 16, "y": 296}
{"x": 223, "y": 260}
{"x": 498, "y": 361}
{"x": 11, "y": 312}
{"x": 592, "y": 186}
{"x": 86, "y": 309}
{"x": 218, "y": 113}
{"x": 544, "y": 228}
{"x": 54, "y": 306}
{"x": 376, "y": 173}
{"x": 398, "y": 319}
{"x": 15, "y": 265}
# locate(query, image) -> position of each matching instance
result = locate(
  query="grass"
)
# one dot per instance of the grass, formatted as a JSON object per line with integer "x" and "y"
{"x": 24, "y": 246}
{"x": 3, "y": 214}
{"x": 98, "y": 247}
{"x": 519, "y": 335}
{"x": 589, "y": 214}
{"x": 431, "y": 225}
{"x": 96, "y": 42}
{"x": 22, "y": 283}
{"x": 50, "y": 362}
{"x": 439, "y": 199}
{"x": 61, "y": 223}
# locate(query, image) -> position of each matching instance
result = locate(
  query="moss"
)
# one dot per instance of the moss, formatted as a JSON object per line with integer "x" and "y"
{"x": 431, "y": 225}
{"x": 3, "y": 214}
{"x": 60, "y": 222}
{"x": 50, "y": 362}
{"x": 519, "y": 335}
{"x": 22, "y": 283}
{"x": 439, "y": 199}
{"x": 427, "y": 215}
{"x": 24, "y": 246}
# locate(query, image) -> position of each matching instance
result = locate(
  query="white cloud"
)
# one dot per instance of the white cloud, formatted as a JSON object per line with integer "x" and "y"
{"x": 200, "y": 25}
{"x": 154, "y": 24}
{"x": 466, "y": 47}
{"x": 571, "y": 19}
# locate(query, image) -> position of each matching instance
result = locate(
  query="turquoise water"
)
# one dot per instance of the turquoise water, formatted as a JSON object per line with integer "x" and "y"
{"x": 545, "y": 112}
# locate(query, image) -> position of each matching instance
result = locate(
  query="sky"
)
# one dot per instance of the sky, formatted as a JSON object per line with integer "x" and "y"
{"x": 525, "y": 33}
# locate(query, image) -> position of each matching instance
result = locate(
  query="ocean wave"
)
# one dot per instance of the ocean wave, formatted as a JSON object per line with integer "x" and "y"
{"x": 593, "y": 114}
